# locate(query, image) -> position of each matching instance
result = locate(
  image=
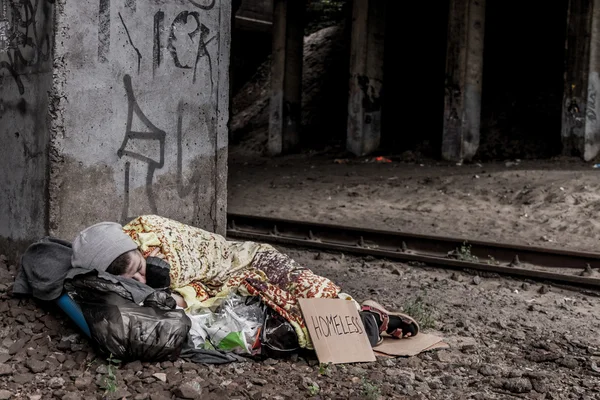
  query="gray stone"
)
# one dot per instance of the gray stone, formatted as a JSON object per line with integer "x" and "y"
{"x": 159, "y": 396}
{"x": 187, "y": 391}
{"x": 435, "y": 384}
{"x": 356, "y": 371}
{"x": 134, "y": 366}
{"x": 36, "y": 366}
{"x": 5, "y": 370}
{"x": 543, "y": 289}
{"x": 403, "y": 377}
{"x": 84, "y": 382}
{"x": 490, "y": 370}
{"x": 387, "y": 362}
{"x": 72, "y": 396}
{"x": 568, "y": 362}
{"x": 5, "y": 395}
{"x": 23, "y": 378}
{"x": 102, "y": 369}
{"x": 17, "y": 346}
{"x": 56, "y": 383}
{"x": 258, "y": 381}
{"x": 518, "y": 385}
{"x": 540, "y": 386}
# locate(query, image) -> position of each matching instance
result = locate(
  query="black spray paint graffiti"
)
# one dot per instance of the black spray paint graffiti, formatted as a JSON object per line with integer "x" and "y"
{"x": 208, "y": 6}
{"x": 199, "y": 30}
{"x": 153, "y": 133}
{"x": 159, "y": 19}
{"x": 25, "y": 42}
{"x": 139, "y": 55}
{"x": 591, "y": 106}
{"x": 103, "y": 30}
{"x": 184, "y": 190}
{"x": 131, "y": 4}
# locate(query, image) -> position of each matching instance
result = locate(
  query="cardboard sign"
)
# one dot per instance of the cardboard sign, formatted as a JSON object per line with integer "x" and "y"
{"x": 408, "y": 347}
{"x": 336, "y": 331}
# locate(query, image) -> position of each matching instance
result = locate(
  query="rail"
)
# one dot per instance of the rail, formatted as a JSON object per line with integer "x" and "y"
{"x": 536, "y": 263}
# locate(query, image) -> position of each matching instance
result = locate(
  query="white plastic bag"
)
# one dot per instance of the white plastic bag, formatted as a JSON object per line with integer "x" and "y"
{"x": 233, "y": 326}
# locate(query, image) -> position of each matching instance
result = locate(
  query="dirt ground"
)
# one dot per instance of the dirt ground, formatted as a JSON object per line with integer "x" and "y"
{"x": 509, "y": 339}
{"x": 552, "y": 203}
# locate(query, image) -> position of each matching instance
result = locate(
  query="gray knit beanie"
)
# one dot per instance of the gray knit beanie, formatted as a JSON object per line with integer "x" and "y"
{"x": 99, "y": 245}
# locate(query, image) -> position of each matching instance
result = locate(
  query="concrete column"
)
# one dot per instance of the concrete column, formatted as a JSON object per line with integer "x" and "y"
{"x": 366, "y": 76}
{"x": 285, "y": 116}
{"x": 464, "y": 68}
{"x": 581, "y": 109}
{"x": 26, "y": 42}
{"x": 126, "y": 115}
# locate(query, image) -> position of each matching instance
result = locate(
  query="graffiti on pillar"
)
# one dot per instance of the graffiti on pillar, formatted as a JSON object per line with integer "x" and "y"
{"x": 590, "y": 112}
{"x": 139, "y": 55}
{"x": 131, "y": 4}
{"x": 152, "y": 134}
{"x": 174, "y": 40}
{"x": 25, "y": 41}
{"x": 209, "y": 6}
{"x": 25, "y": 48}
{"x": 452, "y": 98}
{"x": 198, "y": 32}
{"x": 159, "y": 20}
{"x": 184, "y": 189}
{"x": 103, "y": 30}
{"x": 186, "y": 25}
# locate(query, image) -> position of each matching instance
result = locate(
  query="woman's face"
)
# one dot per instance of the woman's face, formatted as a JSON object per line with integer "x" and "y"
{"x": 137, "y": 267}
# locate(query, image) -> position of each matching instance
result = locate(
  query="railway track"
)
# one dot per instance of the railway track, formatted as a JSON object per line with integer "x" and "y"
{"x": 537, "y": 263}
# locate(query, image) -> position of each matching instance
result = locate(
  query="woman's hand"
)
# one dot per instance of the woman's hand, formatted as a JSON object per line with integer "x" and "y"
{"x": 179, "y": 300}
{"x": 156, "y": 253}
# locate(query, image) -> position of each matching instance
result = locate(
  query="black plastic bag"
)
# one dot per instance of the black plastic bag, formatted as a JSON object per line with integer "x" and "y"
{"x": 278, "y": 337}
{"x": 154, "y": 331}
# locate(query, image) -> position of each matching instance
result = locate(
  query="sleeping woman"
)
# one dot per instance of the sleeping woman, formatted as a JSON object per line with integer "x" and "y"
{"x": 201, "y": 268}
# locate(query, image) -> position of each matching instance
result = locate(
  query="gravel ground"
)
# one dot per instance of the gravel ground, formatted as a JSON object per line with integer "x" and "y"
{"x": 509, "y": 339}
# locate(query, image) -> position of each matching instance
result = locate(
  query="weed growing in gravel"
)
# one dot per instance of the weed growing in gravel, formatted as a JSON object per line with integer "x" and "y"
{"x": 492, "y": 261}
{"x": 109, "y": 383}
{"x": 325, "y": 369}
{"x": 370, "y": 391}
{"x": 313, "y": 389}
{"x": 464, "y": 253}
{"x": 420, "y": 311}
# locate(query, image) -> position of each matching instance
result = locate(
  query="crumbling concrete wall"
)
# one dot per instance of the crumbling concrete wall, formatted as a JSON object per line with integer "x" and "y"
{"x": 138, "y": 115}
{"x": 26, "y": 40}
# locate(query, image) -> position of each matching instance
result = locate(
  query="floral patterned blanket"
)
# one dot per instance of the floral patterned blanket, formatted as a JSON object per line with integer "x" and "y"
{"x": 205, "y": 267}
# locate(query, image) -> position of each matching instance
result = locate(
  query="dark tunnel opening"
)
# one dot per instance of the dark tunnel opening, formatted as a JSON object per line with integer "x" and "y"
{"x": 414, "y": 68}
{"x": 523, "y": 79}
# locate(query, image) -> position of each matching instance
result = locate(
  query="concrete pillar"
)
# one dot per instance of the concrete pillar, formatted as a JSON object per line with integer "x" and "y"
{"x": 581, "y": 109}
{"x": 126, "y": 115}
{"x": 366, "y": 76}
{"x": 285, "y": 114}
{"x": 464, "y": 68}
{"x": 25, "y": 79}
